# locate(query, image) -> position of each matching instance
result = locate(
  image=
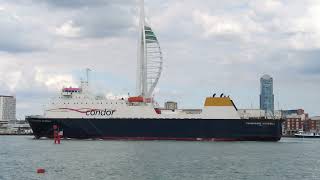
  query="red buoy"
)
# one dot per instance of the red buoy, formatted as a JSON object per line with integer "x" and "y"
{"x": 56, "y": 134}
{"x": 41, "y": 170}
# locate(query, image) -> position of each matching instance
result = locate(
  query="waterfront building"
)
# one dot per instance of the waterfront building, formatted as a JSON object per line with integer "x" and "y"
{"x": 7, "y": 109}
{"x": 313, "y": 124}
{"x": 266, "y": 94}
{"x": 293, "y": 124}
{"x": 297, "y": 120}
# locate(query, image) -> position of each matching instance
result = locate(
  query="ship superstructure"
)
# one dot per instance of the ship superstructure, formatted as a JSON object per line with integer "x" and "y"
{"x": 80, "y": 103}
{"x": 80, "y": 114}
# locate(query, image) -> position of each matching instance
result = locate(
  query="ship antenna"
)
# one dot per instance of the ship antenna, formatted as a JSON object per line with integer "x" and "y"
{"x": 87, "y": 73}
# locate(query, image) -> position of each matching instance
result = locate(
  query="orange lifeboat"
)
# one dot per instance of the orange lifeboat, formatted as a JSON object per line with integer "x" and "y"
{"x": 136, "y": 99}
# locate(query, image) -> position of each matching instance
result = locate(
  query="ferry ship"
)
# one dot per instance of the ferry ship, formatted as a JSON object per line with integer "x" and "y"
{"x": 79, "y": 114}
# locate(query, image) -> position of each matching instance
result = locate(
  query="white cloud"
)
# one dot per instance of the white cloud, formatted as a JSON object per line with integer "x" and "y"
{"x": 240, "y": 25}
{"x": 20, "y": 32}
{"x": 11, "y": 80}
{"x": 307, "y": 29}
{"x": 68, "y": 29}
{"x": 54, "y": 82}
{"x": 269, "y": 7}
{"x": 217, "y": 25}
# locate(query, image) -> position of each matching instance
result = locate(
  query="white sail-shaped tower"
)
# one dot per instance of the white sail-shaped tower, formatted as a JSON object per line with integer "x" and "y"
{"x": 149, "y": 65}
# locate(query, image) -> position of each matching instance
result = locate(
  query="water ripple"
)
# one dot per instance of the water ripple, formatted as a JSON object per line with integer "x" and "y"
{"x": 74, "y": 159}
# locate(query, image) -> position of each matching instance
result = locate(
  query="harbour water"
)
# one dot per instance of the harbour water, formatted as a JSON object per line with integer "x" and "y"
{"x": 291, "y": 158}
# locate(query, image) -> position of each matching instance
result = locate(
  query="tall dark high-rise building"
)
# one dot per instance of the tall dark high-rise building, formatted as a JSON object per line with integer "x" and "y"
{"x": 266, "y": 93}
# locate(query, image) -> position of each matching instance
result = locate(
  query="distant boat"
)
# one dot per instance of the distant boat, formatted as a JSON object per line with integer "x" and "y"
{"x": 302, "y": 134}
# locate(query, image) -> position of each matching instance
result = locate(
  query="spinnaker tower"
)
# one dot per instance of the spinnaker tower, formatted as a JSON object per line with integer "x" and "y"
{"x": 150, "y": 59}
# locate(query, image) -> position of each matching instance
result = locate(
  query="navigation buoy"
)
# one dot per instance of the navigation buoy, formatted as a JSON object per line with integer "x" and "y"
{"x": 41, "y": 170}
{"x": 56, "y": 134}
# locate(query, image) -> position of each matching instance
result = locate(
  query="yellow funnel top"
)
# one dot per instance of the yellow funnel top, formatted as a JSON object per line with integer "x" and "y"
{"x": 218, "y": 101}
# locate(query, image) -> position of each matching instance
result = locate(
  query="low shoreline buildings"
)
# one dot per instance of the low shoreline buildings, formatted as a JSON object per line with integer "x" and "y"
{"x": 298, "y": 120}
{"x": 9, "y": 125}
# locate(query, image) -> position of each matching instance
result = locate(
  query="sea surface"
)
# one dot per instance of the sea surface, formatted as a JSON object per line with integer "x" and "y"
{"x": 21, "y": 156}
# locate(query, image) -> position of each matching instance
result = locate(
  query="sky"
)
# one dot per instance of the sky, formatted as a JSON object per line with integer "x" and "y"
{"x": 209, "y": 46}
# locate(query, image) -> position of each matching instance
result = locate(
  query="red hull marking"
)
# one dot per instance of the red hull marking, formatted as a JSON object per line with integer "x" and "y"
{"x": 167, "y": 138}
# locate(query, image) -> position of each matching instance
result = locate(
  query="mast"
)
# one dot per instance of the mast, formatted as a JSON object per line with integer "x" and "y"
{"x": 85, "y": 83}
{"x": 87, "y": 74}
